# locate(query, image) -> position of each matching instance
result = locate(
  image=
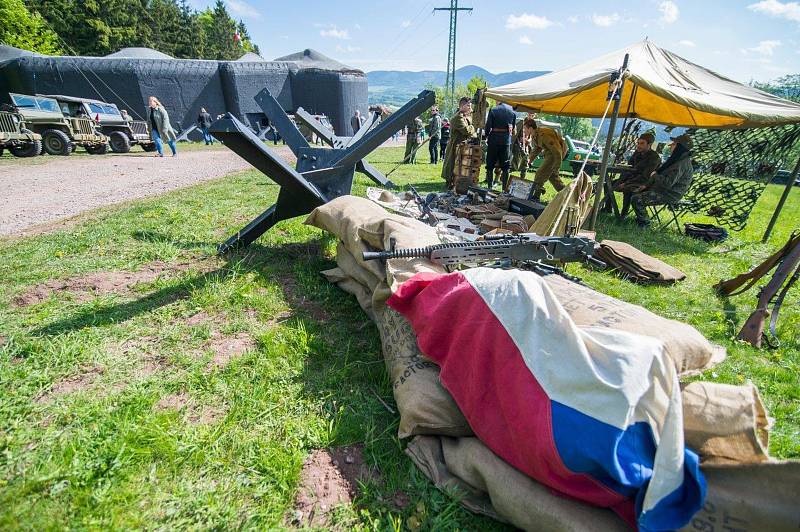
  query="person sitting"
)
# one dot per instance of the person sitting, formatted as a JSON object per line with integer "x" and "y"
{"x": 644, "y": 161}
{"x": 668, "y": 183}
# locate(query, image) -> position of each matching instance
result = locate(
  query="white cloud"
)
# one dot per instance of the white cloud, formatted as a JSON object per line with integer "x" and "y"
{"x": 525, "y": 40}
{"x": 605, "y": 21}
{"x": 405, "y": 23}
{"x": 669, "y": 11}
{"x": 573, "y": 19}
{"x": 687, "y": 43}
{"x": 357, "y": 26}
{"x": 775, "y": 8}
{"x": 526, "y": 20}
{"x": 348, "y": 48}
{"x": 335, "y": 33}
{"x": 766, "y": 48}
{"x": 242, "y": 9}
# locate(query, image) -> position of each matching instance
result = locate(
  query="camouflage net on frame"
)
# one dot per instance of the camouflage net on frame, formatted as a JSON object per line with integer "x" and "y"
{"x": 732, "y": 168}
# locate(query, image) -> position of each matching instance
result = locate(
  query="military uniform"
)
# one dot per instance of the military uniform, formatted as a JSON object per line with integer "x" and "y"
{"x": 435, "y": 132}
{"x": 643, "y": 164}
{"x": 461, "y": 129}
{"x": 665, "y": 187}
{"x": 549, "y": 141}
{"x": 499, "y": 130}
{"x": 412, "y": 141}
{"x": 519, "y": 150}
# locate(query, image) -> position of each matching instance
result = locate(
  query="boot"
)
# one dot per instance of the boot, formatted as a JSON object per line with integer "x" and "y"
{"x": 537, "y": 193}
{"x": 504, "y": 180}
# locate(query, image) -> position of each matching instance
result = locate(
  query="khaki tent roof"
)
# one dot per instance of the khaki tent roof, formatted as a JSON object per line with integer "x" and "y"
{"x": 665, "y": 88}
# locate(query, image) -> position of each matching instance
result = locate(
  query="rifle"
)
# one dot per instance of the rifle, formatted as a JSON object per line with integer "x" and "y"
{"x": 520, "y": 248}
{"x": 786, "y": 274}
{"x": 427, "y": 214}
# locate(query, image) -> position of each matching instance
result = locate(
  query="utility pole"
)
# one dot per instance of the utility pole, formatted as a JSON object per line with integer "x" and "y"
{"x": 450, "y": 81}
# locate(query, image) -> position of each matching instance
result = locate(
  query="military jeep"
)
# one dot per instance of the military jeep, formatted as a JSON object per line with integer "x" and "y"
{"x": 60, "y": 134}
{"x": 14, "y": 135}
{"x": 122, "y": 132}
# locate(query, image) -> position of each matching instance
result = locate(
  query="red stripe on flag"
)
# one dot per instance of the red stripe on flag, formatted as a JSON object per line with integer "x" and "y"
{"x": 484, "y": 371}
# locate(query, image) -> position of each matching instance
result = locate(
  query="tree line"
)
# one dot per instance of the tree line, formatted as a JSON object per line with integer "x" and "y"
{"x": 101, "y": 27}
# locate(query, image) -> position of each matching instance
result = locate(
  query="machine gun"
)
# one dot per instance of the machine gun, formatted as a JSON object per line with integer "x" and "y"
{"x": 517, "y": 249}
{"x": 787, "y": 260}
{"x": 426, "y": 214}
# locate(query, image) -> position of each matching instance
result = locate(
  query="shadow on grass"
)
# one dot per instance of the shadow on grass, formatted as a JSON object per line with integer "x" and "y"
{"x": 161, "y": 238}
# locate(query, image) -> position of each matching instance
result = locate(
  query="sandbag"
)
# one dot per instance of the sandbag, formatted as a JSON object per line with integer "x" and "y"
{"x": 347, "y": 283}
{"x": 750, "y": 498}
{"x": 635, "y": 265}
{"x": 687, "y": 348}
{"x": 425, "y": 406}
{"x": 725, "y": 423}
{"x": 487, "y": 485}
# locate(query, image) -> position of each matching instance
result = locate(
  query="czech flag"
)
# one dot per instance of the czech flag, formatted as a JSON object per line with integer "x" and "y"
{"x": 593, "y": 413}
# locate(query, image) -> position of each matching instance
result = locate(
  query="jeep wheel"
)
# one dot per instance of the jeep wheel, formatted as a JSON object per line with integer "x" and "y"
{"x": 149, "y": 147}
{"x": 120, "y": 143}
{"x": 99, "y": 149}
{"x": 29, "y": 149}
{"x": 56, "y": 142}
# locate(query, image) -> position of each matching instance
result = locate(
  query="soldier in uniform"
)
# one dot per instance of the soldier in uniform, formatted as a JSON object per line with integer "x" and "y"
{"x": 644, "y": 161}
{"x": 521, "y": 146}
{"x": 549, "y": 141}
{"x": 499, "y": 130}
{"x": 445, "y": 136}
{"x": 461, "y": 129}
{"x": 435, "y": 132}
{"x": 668, "y": 183}
{"x": 412, "y": 141}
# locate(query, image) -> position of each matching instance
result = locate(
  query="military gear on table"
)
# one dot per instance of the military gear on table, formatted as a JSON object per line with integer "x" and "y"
{"x": 461, "y": 129}
{"x": 549, "y": 142}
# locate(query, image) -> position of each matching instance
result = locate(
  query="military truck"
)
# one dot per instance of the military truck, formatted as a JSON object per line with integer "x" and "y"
{"x": 122, "y": 132}
{"x": 60, "y": 134}
{"x": 14, "y": 135}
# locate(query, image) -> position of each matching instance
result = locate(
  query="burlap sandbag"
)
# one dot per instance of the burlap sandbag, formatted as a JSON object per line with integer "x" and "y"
{"x": 687, "y": 348}
{"x": 725, "y": 423}
{"x": 750, "y": 498}
{"x": 347, "y": 283}
{"x": 425, "y": 406}
{"x": 488, "y": 485}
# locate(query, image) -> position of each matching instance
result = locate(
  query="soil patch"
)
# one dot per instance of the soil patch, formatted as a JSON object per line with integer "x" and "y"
{"x": 88, "y": 286}
{"x": 71, "y": 384}
{"x": 329, "y": 478}
{"x": 226, "y": 348}
{"x": 193, "y": 413}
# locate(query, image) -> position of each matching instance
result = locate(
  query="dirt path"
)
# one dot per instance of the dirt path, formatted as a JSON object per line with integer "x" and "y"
{"x": 61, "y": 187}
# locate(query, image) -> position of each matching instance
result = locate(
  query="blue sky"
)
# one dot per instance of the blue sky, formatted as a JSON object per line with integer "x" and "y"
{"x": 752, "y": 39}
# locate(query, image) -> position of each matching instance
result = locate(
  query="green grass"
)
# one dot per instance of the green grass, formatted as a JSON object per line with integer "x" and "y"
{"x": 105, "y": 456}
{"x": 8, "y": 160}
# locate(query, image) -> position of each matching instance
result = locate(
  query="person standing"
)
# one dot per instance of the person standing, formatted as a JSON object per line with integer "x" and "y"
{"x": 668, "y": 183}
{"x": 412, "y": 141}
{"x": 461, "y": 129}
{"x": 356, "y": 121}
{"x": 499, "y": 130}
{"x": 435, "y": 132}
{"x": 204, "y": 122}
{"x": 162, "y": 130}
{"x": 521, "y": 146}
{"x": 548, "y": 141}
{"x": 445, "y": 136}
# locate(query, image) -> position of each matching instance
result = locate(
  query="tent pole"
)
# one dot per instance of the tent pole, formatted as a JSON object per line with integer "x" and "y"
{"x": 601, "y": 183}
{"x": 789, "y": 185}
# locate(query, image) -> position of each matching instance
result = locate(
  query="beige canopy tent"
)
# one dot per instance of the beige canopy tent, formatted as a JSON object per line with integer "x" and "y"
{"x": 660, "y": 87}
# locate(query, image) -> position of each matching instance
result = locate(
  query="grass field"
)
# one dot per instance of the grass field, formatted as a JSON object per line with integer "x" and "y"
{"x": 191, "y": 398}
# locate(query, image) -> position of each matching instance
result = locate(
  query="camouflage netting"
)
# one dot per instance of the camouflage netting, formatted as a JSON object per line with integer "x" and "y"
{"x": 732, "y": 168}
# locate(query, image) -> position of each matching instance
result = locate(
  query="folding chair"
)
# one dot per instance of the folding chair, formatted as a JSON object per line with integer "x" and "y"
{"x": 671, "y": 212}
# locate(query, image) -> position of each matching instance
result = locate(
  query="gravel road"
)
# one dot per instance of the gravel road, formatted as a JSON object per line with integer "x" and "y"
{"x": 46, "y": 189}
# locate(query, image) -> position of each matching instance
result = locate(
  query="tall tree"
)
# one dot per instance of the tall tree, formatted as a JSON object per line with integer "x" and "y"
{"x": 26, "y": 30}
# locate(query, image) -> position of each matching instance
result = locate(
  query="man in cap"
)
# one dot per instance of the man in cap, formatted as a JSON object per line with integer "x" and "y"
{"x": 548, "y": 141}
{"x": 461, "y": 129}
{"x": 434, "y": 132}
{"x": 668, "y": 184}
{"x": 643, "y": 162}
{"x": 412, "y": 141}
{"x": 499, "y": 129}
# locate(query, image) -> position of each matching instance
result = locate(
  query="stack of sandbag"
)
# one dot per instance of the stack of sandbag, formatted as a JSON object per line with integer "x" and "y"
{"x": 726, "y": 425}
{"x": 635, "y": 265}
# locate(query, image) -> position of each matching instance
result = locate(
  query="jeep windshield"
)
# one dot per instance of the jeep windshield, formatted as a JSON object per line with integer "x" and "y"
{"x": 34, "y": 102}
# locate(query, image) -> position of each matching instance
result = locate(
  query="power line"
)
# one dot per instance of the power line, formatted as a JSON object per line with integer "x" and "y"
{"x": 450, "y": 80}
{"x": 411, "y": 23}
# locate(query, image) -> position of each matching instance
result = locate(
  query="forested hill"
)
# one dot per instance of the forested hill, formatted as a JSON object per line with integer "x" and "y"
{"x": 101, "y": 27}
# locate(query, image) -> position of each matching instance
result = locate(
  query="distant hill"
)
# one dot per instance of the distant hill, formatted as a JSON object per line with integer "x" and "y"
{"x": 396, "y": 87}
